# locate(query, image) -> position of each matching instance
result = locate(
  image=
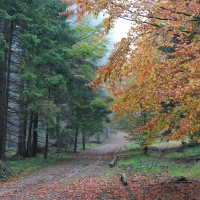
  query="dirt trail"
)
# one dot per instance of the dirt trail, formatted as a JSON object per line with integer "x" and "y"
{"x": 88, "y": 163}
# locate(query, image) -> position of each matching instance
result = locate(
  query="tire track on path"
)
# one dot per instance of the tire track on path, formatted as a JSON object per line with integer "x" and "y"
{"x": 88, "y": 163}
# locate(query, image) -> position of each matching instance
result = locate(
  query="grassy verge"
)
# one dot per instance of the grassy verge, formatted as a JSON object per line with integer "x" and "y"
{"x": 166, "y": 163}
{"x": 24, "y": 166}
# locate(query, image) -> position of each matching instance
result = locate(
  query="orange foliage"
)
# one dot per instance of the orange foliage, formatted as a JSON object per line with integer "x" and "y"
{"x": 108, "y": 188}
{"x": 139, "y": 73}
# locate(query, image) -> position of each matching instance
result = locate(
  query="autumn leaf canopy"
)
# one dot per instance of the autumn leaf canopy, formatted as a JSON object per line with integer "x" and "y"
{"x": 157, "y": 66}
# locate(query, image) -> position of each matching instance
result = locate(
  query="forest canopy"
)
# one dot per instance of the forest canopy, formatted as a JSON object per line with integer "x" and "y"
{"x": 45, "y": 62}
{"x": 156, "y": 67}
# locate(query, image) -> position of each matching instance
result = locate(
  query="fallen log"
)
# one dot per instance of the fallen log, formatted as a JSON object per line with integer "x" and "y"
{"x": 123, "y": 179}
{"x": 113, "y": 162}
{"x": 180, "y": 179}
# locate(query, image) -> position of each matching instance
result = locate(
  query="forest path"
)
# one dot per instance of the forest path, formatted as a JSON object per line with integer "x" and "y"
{"x": 91, "y": 162}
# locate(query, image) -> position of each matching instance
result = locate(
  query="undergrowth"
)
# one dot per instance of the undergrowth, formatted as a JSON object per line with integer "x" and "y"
{"x": 24, "y": 166}
{"x": 172, "y": 163}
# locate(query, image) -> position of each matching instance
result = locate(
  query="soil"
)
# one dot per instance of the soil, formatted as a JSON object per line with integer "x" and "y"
{"x": 87, "y": 163}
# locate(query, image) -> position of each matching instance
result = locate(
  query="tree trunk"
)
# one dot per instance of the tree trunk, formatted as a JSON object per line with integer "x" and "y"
{"x": 24, "y": 139}
{"x": 29, "y": 146}
{"x": 46, "y": 145}
{"x": 7, "y": 88}
{"x": 66, "y": 145}
{"x": 75, "y": 141}
{"x": 35, "y": 135}
{"x": 58, "y": 132}
{"x": 145, "y": 149}
{"x": 66, "y": 141}
{"x": 6, "y": 28}
{"x": 83, "y": 139}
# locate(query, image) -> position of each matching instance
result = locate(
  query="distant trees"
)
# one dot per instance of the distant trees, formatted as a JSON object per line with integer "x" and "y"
{"x": 44, "y": 65}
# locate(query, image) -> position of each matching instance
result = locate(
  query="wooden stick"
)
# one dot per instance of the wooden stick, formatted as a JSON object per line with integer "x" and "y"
{"x": 123, "y": 179}
{"x": 113, "y": 162}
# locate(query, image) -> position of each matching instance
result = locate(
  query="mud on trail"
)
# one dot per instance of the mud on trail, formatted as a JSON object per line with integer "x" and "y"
{"x": 89, "y": 163}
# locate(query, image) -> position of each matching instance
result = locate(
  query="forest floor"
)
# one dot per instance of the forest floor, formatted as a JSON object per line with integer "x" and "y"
{"x": 87, "y": 176}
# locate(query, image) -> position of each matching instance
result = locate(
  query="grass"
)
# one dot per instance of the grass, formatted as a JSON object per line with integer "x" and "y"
{"x": 24, "y": 166}
{"x": 132, "y": 145}
{"x": 166, "y": 144}
{"x": 158, "y": 144}
{"x": 169, "y": 163}
{"x": 184, "y": 170}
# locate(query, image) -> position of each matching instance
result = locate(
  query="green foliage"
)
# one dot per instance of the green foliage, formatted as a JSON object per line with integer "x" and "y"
{"x": 184, "y": 170}
{"x": 3, "y": 46}
{"x": 178, "y": 163}
{"x": 55, "y": 61}
{"x": 25, "y": 166}
{"x": 131, "y": 123}
{"x": 98, "y": 103}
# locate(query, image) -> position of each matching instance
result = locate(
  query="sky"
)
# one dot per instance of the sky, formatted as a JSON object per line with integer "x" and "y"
{"x": 121, "y": 28}
{"x": 119, "y": 31}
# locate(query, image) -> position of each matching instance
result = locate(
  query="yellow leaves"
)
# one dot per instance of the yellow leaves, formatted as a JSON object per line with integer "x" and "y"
{"x": 157, "y": 62}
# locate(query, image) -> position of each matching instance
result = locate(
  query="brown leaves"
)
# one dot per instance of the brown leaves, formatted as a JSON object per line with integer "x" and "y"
{"x": 139, "y": 187}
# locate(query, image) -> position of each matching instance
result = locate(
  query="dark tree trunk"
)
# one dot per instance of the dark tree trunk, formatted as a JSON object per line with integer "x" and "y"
{"x": 29, "y": 140}
{"x": 75, "y": 141}
{"x": 24, "y": 139}
{"x": 6, "y": 29}
{"x": 20, "y": 149}
{"x": 83, "y": 139}
{"x": 46, "y": 145}
{"x": 7, "y": 88}
{"x": 66, "y": 141}
{"x": 145, "y": 149}
{"x": 35, "y": 134}
{"x": 58, "y": 132}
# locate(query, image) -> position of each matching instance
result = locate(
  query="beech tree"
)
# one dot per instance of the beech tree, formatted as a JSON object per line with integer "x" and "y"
{"x": 132, "y": 122}
{"x": 161, "y": 77}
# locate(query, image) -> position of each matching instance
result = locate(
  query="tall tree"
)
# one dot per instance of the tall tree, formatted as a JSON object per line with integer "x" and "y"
{"x": 85, "y": 53}
{"x": 160, "y": 77}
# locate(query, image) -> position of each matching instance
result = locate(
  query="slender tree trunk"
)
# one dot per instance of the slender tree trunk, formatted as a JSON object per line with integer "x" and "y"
{"x": 35, "y": 134}
{"x": 66, "y": 142}
{"x": 6, "y": 29}
{"x": 58, "y": 132}
{"x": 145, "y": 149}
{"x": 29, "y": 140}
{"x": 46, "y": 144}
{"x": 83, "y": 139}
{"x": 24, "y": 139}
{"x": 21, "y": 139}
{"x": 7, "y": 88}
{"x": 75, "y": 141}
